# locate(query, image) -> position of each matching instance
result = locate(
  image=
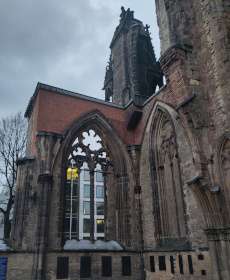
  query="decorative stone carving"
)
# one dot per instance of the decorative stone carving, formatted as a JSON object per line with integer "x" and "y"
{"x": 169, "y": 221}
{"x": 88, "y": 147}
{"x": 225, "y": 162}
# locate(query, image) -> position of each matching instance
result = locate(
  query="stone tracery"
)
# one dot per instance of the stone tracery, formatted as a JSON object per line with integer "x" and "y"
{"x": 87, "y": 154}
{"x": 167, "y": 188}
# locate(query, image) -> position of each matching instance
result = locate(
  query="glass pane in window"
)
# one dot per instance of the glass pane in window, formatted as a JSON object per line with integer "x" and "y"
{"x": 100, "y": 208}
{"x": 99, "y": 176}
{"x": 68, "y": 188}
{"x": 100, "y": 225}
{"x": 86, "y": 175}
{"x": 75, "y": 184}
{"x": 86, "y": 207}
{"x": 86, "y": 191}
{"x": 66, "y": 224}
{"x": 74, "y": 206}
{"x": 86, "y": 225}
{"x": 100, "y": 238}
{"x": 86, "y": 237}
{"x": 100, "y": 192}
{"x": 67, "y": 206}
{"x": 74, "y": 224}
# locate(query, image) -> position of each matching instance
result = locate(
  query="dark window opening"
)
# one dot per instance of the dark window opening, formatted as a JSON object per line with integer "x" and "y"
{"x": 62, "y": 267}
{"x": 100, "y": 225}
{"x": 172, "y": 264}
{"x": 203, "y": 272}
{"x": 190, "y": 264}
{"x": 152, "y": 264}
{"x": 85, "y": 267}
{"x": 200, "y": 257}
{"x": 100, "y": 208}
{"x": 106, "y": 266}
{"x": 181, "y": 265}
{"x": 162, "y": 263}
{"x": 126, "y": 266}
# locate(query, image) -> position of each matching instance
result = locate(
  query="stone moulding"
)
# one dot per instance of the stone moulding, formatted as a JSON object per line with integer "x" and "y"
{"x": 218, "y": 234}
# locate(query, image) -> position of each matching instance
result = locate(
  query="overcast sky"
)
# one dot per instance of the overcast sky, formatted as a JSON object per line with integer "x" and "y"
{"x": 61, "y": 43}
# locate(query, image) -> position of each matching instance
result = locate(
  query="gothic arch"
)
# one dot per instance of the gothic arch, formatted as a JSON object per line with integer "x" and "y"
{"x": 223, "y": 166}
{"x": 165, "y": 132}
{"x": 224, "y": 160}
{"x": 168, "y": 197}
{"x": 121, "y": 179}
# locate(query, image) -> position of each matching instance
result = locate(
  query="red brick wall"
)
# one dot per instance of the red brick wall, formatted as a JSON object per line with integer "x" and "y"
{"x": 53, "y": 112}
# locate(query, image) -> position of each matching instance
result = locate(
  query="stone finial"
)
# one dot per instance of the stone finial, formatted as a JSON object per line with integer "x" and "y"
{"x": 147, "y": 28}
{"x": 126, "y": 13}
{"x": 123, "y": 12}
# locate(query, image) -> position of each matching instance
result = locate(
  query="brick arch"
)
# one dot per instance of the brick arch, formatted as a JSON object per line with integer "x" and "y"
{"x": 122, "y": 178}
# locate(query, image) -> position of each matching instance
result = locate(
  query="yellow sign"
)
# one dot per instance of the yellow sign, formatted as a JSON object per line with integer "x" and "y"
{"x": 72, "y": 173}
{"x": 100, "y": 222}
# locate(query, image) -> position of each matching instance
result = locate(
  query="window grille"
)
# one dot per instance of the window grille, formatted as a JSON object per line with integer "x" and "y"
{"x": 152, "y": 264}
{"x": 106, "y": 266}
{"x": 85, "y": 267}
{"x": 126, "y": 266}
{"x": 181, "y": 265}
{"x": 62, "y": 267}
{"x": 172, "y": 264}
{"x": 190, "y": 264}
{"x": 162, "y": 263}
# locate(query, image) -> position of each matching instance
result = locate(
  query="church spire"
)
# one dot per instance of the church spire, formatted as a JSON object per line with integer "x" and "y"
{"x": 132, "y": 73}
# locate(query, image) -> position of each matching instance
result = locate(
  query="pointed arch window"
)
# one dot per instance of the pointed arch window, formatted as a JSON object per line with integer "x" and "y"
{"x": 168, "y": 201}
{"x": 85, "y": 187}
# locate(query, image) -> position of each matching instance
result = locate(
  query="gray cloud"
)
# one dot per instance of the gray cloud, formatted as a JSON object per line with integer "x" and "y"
{"x": 62, "y": 43}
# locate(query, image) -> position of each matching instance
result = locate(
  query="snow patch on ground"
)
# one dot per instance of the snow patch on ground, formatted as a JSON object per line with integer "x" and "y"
{"x": 88, "y": 245}
{"x": 1, "y": 231}
{"x": 3, "y": 246}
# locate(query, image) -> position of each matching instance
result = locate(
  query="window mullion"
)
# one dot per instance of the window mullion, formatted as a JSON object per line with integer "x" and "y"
{"x": 92, "y": 223}
{"x": 105, "y": 204}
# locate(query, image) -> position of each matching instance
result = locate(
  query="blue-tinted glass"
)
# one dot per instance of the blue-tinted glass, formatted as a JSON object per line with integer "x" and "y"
{"x": 100, "y": 192}
{"x": 86, "y": 191}
{"x": 86, "y": 207}
{"x": 99, "y": 176}
{"x": 86, "y": 225}
{"x": 86, "y": 175}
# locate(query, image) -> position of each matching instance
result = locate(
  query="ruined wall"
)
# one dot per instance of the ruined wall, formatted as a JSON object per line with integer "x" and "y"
{"x": 197, "y": 77}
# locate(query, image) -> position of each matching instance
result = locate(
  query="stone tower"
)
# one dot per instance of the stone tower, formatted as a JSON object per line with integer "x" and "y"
{"x": 132, "y": 73}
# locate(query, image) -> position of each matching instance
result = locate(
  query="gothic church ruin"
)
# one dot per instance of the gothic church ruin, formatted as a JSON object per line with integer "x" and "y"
{"x": 136, "y": 186}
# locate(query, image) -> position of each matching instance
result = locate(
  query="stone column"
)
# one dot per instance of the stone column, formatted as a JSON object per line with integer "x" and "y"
{"x": 104, "y": 173}
{"x": 41, "y": 242}
{"x": 219, "y": 244}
